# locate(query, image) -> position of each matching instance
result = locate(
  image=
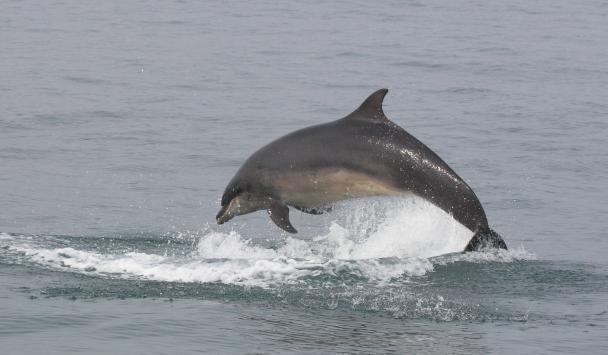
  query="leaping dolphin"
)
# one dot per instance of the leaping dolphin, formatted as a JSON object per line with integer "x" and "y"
{"x": 363, "y": 154}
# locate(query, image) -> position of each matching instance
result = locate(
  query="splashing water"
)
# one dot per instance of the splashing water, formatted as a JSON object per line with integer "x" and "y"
{"x": 379, "y": 242}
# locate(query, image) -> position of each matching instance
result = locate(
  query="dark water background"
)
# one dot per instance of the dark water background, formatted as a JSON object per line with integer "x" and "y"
{"x": 121, "y": 123}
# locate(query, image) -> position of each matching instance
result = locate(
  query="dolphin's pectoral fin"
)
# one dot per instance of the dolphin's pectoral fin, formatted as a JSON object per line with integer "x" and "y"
{"x": 484, "y": 239}
{"x": 314, "y": 210}
{"x": 279, "y": 214}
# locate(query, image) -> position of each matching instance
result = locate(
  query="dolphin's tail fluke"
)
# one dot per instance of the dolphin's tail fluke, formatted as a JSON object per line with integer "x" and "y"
{"x": 486, "y": 238}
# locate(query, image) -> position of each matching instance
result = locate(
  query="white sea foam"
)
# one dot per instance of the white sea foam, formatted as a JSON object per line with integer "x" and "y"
{"x": 410, "y": 227}
{"x": 377, "y": 241}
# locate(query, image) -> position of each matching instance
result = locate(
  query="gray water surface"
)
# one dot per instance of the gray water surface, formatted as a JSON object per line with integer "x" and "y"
{"x": 122, "y": 122}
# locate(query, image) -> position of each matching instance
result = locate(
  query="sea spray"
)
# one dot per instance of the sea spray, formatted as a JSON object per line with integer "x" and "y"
{"x": 377, "y": 242}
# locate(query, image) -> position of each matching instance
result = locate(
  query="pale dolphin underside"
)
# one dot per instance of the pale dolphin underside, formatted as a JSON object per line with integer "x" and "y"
{"x": 363, "y": 154}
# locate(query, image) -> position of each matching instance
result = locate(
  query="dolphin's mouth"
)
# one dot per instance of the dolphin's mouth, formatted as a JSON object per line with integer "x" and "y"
{"x": 223, "y": 216}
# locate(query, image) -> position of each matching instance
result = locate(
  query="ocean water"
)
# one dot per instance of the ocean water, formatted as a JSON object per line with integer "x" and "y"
{"x": 122, "y": 122}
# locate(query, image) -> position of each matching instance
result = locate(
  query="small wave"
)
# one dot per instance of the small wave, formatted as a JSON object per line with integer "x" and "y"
{"x": 224, "y": 258}
{"x": 85, "y": 80}
{"x": 377, "y": 241}
{"x": 485, "y": 256}
{"x": 228, "y": 259}
{"x": 334, "y": 270}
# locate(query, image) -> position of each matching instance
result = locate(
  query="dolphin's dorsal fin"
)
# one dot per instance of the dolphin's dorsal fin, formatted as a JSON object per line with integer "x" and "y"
{"x": 371, "y": 108}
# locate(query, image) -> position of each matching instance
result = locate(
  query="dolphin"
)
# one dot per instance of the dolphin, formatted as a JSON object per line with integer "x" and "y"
{"x": 363, "y": 154}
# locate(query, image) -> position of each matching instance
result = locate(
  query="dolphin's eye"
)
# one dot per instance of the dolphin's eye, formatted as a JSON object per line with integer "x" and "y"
{"x": 230, "y": 194}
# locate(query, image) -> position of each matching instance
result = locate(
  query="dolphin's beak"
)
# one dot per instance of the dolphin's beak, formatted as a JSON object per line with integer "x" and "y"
{"x": 236, "y": 207}
{"x": 223, "y": 215}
